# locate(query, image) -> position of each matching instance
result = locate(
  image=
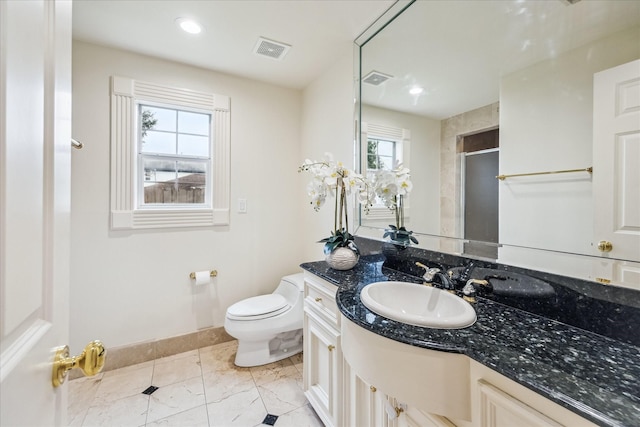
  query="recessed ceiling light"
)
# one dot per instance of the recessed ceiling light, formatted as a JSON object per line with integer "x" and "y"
{"x": 189, "y": 25}
{"x": 416, "y": 90}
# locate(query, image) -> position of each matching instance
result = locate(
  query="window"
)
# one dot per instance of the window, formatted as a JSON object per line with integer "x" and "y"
{"x": 385, "y": 147}
{"x": 174, "y": 157}
{"x": 169, "y": 156}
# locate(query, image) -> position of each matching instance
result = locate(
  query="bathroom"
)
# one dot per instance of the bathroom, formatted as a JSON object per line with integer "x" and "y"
{"x": 131, "y": 288}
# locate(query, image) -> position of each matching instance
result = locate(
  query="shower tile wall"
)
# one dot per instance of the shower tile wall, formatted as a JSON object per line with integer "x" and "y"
{"x": 482, "y": 118}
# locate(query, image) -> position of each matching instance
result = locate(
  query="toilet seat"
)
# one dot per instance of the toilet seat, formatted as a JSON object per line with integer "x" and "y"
{"x": 260, "y": 307}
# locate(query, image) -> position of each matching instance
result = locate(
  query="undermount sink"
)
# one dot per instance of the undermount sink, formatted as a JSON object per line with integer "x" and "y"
{"x": 418, "y": 305}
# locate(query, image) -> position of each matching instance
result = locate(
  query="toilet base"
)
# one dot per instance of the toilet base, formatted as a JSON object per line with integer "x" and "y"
{"x": 256, "y": 353}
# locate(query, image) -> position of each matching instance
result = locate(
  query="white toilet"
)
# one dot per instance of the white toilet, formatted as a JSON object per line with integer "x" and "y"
{"x": 268, "y": 327}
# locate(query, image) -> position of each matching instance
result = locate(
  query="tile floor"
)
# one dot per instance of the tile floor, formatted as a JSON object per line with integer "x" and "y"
{"x": 196, "y": 388}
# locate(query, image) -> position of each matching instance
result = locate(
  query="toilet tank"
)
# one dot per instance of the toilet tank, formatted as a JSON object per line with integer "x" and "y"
{"x": 291, "y": 287}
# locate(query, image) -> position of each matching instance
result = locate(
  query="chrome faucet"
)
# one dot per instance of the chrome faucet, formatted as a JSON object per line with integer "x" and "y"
{"x": 445, "y": 281}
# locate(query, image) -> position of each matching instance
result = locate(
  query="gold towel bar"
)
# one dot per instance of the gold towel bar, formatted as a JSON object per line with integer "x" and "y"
{"x": 212, "y": 273}
{"x": 503, "y": 177}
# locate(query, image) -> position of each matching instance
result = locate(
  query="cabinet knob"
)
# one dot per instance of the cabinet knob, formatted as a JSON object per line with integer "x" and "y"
{"x": 331, "y": 347}
{"x": 318, "y": 299}
{"x": 394, "y": 412}
{"x": 373, "y": 389}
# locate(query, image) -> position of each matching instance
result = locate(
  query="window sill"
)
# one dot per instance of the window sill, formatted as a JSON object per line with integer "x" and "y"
{"x": 168, "y": 218}
{"x": 380, "y": 213}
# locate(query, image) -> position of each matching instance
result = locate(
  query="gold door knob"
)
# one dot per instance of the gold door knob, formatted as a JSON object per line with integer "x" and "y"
{"x": 604, "y": 246}
{"x": 373, "y": 389}
{"x": 90, "y": 361}
{"x": 331, "y": 347}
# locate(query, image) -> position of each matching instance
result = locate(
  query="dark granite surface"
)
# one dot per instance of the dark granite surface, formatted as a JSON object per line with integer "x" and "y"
{"x": 590, "y": 374}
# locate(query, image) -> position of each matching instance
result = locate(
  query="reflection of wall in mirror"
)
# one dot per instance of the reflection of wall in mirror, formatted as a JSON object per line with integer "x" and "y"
{"x": 423, "y": 159}
{"x": 546, "y": 115}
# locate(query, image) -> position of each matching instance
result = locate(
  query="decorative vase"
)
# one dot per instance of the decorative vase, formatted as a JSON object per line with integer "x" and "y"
{"x": 342, "y": 258}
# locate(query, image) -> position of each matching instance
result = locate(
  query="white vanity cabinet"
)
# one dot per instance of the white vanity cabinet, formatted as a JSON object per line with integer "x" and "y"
{"x": 501, "y": 402}
{"x": 413, "y": 417}
{"x": 364, "y": 403}
{"x": 322, "y": 350}
{"x": 367, "y": 405}
{"x": 354, "y": 377}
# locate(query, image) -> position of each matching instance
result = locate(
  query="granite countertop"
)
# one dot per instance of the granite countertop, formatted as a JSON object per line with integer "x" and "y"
{"x": 594, "y": 376}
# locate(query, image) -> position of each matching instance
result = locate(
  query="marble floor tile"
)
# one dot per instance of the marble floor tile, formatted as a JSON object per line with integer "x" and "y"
{"x": 297, "y": 361}
{"x": 240, "y": 409}
{"x": 196, "y": 388}
{"x": 223, "y": 383}
{"x": 219, "y": 356}
{"x": 82, "y": 392}
{"x": 273, "y": 371}
{"x": 194, "y": 417}
{"x": 282, "y": 395}
{"x": 304, "y": 416}
{"x": 176, "y": 398}
{"x": 173, "y": 369}
{"x": 130, "y": 411}
{"x": 125, "y": 382}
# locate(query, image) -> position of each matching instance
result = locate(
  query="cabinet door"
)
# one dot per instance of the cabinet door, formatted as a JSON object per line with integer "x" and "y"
{"x": 364, "y": 403}
{"x": 322, "y": 368}
{"x": 412, "y": 417}
{"x": 498, "y": 409}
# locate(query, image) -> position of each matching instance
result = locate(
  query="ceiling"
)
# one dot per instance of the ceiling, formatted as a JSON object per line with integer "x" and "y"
{"x": 320, "y": 32}
{"x": 458, "y": 51}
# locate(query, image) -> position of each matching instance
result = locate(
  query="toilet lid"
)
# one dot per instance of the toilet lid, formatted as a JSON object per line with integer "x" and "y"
{"x": 258, "y": 307}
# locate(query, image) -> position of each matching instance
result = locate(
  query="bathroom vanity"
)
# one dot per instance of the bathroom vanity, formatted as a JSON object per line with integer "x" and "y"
{"x": 511, "y": 367}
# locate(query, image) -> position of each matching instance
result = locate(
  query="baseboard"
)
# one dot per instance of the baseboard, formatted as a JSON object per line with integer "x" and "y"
{"x": 119, "y": 357}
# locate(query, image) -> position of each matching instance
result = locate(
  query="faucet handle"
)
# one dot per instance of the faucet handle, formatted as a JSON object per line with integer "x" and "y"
{"x": 471, "y": 288}
{"x": 421, "y": 265}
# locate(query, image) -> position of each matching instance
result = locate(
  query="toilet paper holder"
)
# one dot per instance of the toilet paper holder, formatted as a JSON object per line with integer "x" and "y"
{"x": 212, "y": 273}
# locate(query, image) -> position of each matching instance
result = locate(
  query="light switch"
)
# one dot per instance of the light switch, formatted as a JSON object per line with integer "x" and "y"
{"x": 242, "y": 205}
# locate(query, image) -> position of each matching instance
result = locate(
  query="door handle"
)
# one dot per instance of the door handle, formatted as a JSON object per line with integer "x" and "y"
{"x": 90, "y": 361}
{"x": 604, "y": 246}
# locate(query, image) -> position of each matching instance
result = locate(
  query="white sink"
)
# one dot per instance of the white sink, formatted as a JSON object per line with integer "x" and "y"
{"x": 418, "y": 305}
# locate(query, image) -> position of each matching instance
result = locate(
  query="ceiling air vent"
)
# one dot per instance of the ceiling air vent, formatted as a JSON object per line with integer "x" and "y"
{"x": 270, "y": 48}
{"x": 376, "y": 78}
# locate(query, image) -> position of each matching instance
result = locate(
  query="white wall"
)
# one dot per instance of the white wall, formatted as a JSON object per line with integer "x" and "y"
{"x": 129, "y": 287}
{"x": 545, "y": 125}
{"x": 327, "y": 126}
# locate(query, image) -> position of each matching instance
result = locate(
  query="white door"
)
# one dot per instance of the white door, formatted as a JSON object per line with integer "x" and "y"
{"x": 616, "y": 168}
{"x": 35, "y": 132}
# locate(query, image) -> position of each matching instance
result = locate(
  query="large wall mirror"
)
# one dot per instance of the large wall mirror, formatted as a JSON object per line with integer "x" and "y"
{"x": 467, "y": 91}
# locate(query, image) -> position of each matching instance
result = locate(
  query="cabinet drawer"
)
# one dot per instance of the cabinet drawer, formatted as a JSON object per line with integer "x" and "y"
{"x": 320, "y": 296}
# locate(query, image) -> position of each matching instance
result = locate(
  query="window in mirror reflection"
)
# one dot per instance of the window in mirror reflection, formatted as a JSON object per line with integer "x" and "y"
{"x": 381, "y": 154}
{"x": 386, "y": 148}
